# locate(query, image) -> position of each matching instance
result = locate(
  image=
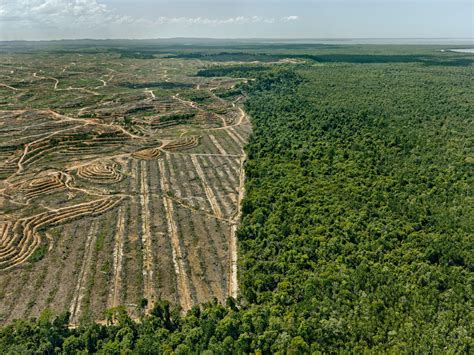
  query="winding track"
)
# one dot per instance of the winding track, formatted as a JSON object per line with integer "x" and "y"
{"x": 9, "y": 87}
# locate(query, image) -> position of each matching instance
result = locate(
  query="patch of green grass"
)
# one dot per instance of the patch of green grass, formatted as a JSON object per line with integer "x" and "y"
{"x": 38, "y": 254}
{"x": 99, "y": 244}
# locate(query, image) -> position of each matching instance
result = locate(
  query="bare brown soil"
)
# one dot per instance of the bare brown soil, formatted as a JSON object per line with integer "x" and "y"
{"x": 109, "y": 195}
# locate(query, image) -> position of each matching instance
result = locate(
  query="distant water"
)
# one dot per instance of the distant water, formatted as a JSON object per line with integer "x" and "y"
{"x": 398, "y": 41}
{"x": 464, "y": 50}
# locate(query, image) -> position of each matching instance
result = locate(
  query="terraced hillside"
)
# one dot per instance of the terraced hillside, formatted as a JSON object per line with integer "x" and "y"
{"x": 120, "y": 181}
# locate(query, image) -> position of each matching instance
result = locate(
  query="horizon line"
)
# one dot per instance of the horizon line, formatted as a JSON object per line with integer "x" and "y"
{"x": 240, "y": 38}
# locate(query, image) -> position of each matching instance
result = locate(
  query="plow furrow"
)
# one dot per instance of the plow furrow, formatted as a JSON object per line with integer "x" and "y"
{"x": 209, "y": 193}
{"x": 75, "y": 307}
{"x": 114, "y": 296}
{"x": 184, "y": 294}
{"x": 148, "y": 262}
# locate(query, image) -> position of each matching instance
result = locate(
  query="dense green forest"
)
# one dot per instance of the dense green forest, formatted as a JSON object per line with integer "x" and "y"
{"x": 357, "y": 227}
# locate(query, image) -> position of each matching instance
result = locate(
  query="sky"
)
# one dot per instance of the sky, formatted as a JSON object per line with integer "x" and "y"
{"x": 71, "y": 19}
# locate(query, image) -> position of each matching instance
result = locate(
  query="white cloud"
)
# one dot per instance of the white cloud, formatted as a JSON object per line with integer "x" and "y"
{"x": 69, "y": 8}
{"x": 97, "y": 19}
{"x": 238, "y": 20}
{"x": 60, "y": 13}
{"x": 75, "y": 12}
{"x": 290, "y": 18}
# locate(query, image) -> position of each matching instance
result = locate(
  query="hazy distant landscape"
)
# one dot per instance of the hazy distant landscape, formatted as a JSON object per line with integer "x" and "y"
{"x": 464, "y": 50}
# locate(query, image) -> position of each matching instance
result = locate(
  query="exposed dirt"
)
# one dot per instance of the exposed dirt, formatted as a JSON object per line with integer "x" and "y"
{"x": 111, "y": 194}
